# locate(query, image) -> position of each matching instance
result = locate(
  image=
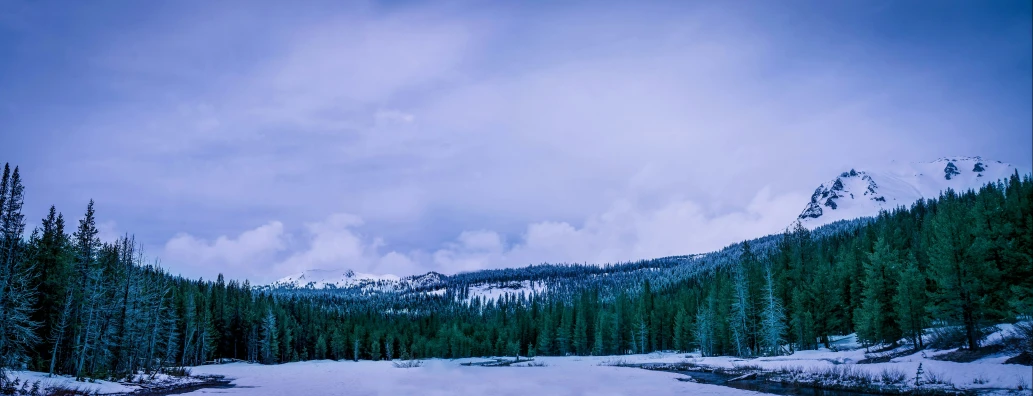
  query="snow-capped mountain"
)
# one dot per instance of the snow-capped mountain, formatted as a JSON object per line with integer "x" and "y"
{"x": 861, "y": 193}
{"x": 343, "y": 279}
{"x": 319, "y": 279}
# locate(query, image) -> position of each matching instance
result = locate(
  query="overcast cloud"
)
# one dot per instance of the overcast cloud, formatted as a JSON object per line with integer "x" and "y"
{"x": 259, "y": 140}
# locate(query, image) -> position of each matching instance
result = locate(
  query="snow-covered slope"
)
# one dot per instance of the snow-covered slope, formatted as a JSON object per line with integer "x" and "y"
{"x": 864, "y": 193}
{"x": 493, "y": 291}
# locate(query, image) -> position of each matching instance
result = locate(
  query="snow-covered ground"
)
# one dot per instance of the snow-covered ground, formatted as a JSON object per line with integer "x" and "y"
{"x": 67, "y": 382}
{"x": 96, "y": 387}
{"x": 985, "y": 374}
{"x": 573, "y": 375}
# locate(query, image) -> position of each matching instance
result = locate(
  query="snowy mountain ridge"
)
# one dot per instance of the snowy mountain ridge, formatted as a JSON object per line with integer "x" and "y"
{"x": 855, "y": 194}
{"x": 320, "y": 278}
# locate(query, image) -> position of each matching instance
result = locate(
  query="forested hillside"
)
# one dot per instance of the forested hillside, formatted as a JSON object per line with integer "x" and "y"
{"x": 71, "y": 304}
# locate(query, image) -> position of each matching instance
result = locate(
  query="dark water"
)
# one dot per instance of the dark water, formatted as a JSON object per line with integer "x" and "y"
{"x": 224, "y": 384}
{"x": 759, "y": 385}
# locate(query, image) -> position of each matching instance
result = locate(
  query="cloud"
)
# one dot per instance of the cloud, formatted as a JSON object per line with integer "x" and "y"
{"x": 108, "y": 231}
{"x": 405, "y": 138}
{"x": 389, "y": 117}
{"x": 269, "y": 252}
{"x": 247, "y": 254}
{"x": 626, "y": 232}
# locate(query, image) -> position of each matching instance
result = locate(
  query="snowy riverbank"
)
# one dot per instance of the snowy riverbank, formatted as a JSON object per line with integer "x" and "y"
{"x": 35, "y": 383}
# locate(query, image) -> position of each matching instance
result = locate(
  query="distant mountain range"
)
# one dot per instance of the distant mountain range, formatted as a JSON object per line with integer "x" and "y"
{"x": 342, "y": 279}
{"x": 852, "y": 195}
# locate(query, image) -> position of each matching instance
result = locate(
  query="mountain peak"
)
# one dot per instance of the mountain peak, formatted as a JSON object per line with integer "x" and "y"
{"x": 864, "y": 193}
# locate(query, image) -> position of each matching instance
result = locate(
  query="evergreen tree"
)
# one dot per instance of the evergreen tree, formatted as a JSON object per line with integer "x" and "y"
{"x": 772, "y": 318}
{"x": 17, "y": 292}
{"x": 960, "y": 266}
{"x": 910, "y": 301}
{"x": 741, "y": 306}
{"x": 705, "y": 330}
{"x": 270, "y": 342}
{"x": 875, "y": 324}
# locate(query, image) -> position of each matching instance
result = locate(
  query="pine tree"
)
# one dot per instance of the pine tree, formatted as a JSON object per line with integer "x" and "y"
{"x": 910, "y": 301}
{"x": 270, "y": 343}
{"x": 320, "y": 349}
{"x": 17, "y": 292}
{"x": 772, "y": 317}
{"x": 581, "y": 332}
{"x": 545, "y": 335}
{"x": 960, "y": 265}
{"x": 599, "y": 346}
{"x": 680, "y": 330}
{"x": 705, "y": 331}
{"x": 740, "y": 313}
{"x": 875, "y": 324}
{"x": 88, "y": 292}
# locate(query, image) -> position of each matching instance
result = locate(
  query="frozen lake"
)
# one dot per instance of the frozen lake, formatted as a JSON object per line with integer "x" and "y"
{"x": 577, "y": 375}
{"x": 562, "y": 376}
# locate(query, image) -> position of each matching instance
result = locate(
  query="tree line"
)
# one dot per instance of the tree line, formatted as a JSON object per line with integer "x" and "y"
{"x": 72, "y": 304}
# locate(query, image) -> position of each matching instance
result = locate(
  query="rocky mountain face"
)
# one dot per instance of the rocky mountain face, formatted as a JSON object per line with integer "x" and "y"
{"x": 863, "y": 193}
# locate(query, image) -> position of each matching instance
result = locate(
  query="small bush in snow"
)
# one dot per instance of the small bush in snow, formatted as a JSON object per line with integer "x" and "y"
{"x": 936, "y": 378}
{"x": 614, "y": 362}
{"x": 893, "y": 376}
{"x": 981, "y": 379}
{"x": 407, "y": 363}
{"x": 949, "y": 337}
{"x": 844, "y": 373}
{"x": 536, "y": 363}
{"x": 1020, "y": 339}
{"x": 177, "y": 371}
{"x": 747, "y": 367}
{"x": 62, "y": 390}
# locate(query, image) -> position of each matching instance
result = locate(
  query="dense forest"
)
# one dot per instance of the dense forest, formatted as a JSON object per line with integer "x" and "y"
{"x": 72, "y": 304}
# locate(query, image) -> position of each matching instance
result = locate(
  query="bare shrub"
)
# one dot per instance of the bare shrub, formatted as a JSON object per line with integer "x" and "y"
{"x": 1023, "y": 385}
{"x": 937, "y": 378}
{"x": 747, "y": 366}
{"x": 790, "y": 370}
{"x": 844, "y": 373}
{"x": 1020, "y": 339}
{"x": 63, "y": 390}
{"x": 536, "y": 363}
{"x": 893, "y": 376}
{"x": 948, "y": 337}
{"x": 614, "y": 362}
{"x": 407, "y": 363}
{"x": 177, "y": 371}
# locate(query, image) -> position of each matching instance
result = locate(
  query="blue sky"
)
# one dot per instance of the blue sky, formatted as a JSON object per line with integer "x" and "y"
{"x": 259, "y": 139}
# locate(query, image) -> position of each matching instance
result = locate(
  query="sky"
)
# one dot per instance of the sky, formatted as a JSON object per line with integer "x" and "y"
{"x": 261, "y": 138}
